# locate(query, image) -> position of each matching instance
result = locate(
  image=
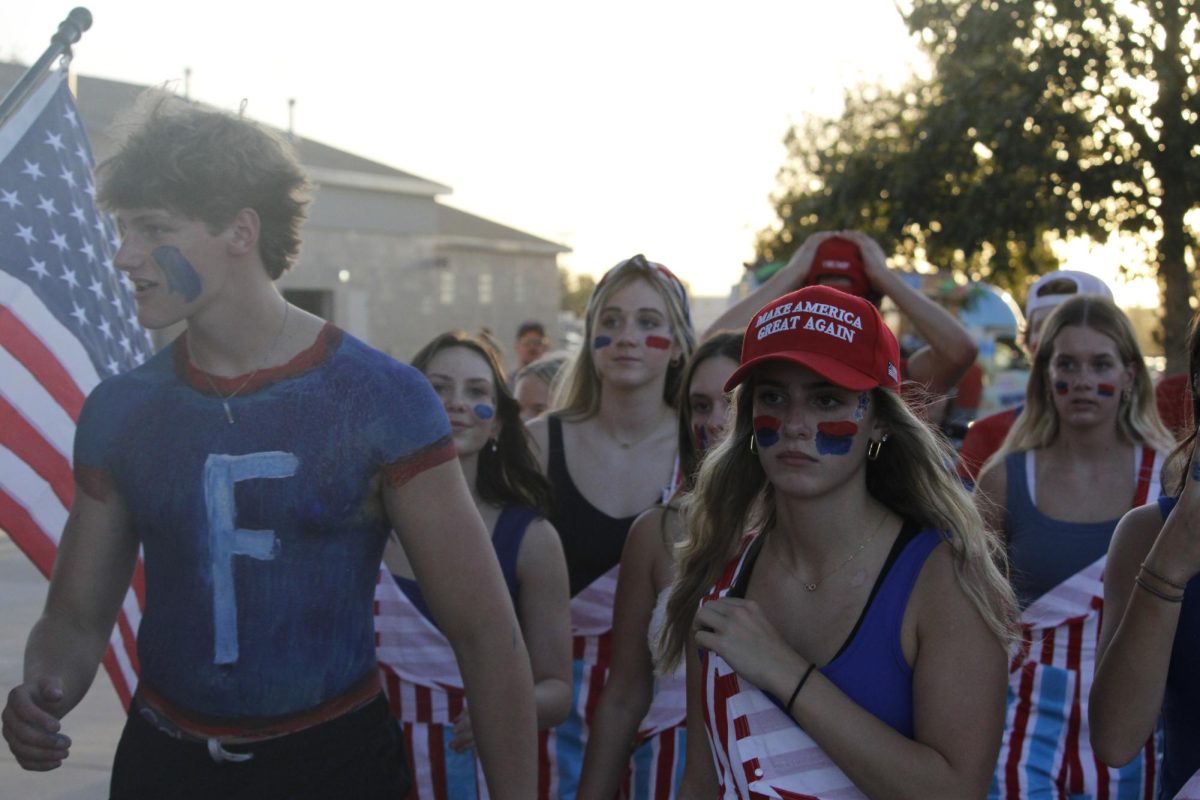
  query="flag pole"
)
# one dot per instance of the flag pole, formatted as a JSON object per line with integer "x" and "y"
{"x": 69, "y": 32}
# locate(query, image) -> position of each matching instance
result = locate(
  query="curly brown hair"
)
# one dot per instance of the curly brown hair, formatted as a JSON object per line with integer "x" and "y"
{"x": 208, "y": 165}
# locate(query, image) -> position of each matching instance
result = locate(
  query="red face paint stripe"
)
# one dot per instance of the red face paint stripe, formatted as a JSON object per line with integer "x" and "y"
{"x": 658, "y": 342}
{"x": 765, "y": 421}
{"x": 1106, "y": 389}
{"x": 841, "y": 428}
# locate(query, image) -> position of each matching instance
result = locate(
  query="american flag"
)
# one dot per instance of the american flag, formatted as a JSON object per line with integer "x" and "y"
{"x": 67, "y": 321}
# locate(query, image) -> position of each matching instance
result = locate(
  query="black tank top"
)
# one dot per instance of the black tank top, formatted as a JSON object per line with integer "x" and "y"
{"x": 592, "y": 540}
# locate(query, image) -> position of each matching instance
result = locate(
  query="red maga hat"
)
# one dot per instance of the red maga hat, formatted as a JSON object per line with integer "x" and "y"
{"x": 840, "y": 258}
{"x": 837, "y": 335}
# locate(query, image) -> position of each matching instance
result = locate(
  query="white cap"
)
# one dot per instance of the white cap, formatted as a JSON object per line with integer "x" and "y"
{"x": 1074, "y": 282}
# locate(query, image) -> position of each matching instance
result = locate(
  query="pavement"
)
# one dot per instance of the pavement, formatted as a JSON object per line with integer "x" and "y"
{"x": 94, "y": 725}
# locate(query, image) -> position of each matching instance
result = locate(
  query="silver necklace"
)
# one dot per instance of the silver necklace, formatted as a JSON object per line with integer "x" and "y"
{"x": 225, "y": 398}
{"x": 811, "y": 586}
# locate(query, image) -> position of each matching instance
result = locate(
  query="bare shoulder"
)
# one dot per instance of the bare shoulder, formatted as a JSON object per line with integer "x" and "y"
{"x": 939, "y": 601}
{"x": 648, "y": 547}
{"x": 1135, "y": 534}
{"x": 542, "y": 535}
{"x": 541, "y": 548}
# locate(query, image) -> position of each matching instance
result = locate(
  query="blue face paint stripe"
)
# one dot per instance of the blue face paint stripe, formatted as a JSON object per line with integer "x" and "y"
{"x": 484, "y": 411}
{"x": 180, "y": 274}
{"x": 766, "y": 430}
{"x": 601, "y": 341}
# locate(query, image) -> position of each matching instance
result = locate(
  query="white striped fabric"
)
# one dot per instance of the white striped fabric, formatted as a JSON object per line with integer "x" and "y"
{"x": 758, "y": 750}
{"x": 592, "y": 609}
{"x": 408, "y": 643}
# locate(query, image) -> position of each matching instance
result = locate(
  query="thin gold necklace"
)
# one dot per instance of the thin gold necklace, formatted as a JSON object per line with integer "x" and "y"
{"x": 225, "y": 398}
{"x": 811, "y": 586}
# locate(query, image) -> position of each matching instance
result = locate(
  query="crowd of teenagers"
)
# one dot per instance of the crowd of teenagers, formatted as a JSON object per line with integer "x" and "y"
{"x": 742, "y": 563}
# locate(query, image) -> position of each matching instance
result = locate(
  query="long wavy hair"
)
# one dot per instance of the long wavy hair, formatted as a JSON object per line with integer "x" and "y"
{"x": 733, "y": 496}
{"x": 1137, "y": 422}
{"x": 1177, "y": 463}
{"x": 577, "y": 396}
{"x": 510, "y": 475}
{"x": 723, "y": 343}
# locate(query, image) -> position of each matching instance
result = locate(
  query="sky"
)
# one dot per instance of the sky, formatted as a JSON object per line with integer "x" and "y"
{"x": 616, "y": 128}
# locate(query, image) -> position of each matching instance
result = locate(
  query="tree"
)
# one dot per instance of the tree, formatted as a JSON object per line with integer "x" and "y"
{"x": 1040, "y": 120}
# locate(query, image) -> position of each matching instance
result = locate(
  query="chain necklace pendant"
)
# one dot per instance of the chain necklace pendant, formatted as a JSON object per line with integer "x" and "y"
{"x": 270, "y": 352}
{"x": 810, "y": 587}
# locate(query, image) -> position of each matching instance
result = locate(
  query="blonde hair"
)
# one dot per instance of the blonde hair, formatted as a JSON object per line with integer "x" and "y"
{"x": 577, "y": 395}
{"x": 910, "y": 477}
{"x": 1137, "y": 423}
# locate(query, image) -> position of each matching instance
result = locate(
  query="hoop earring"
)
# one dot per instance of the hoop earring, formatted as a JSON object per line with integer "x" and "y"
{"x": 753, "y": 445}
{"x": 492, "y": 443}
{"x": 873, "y": 448}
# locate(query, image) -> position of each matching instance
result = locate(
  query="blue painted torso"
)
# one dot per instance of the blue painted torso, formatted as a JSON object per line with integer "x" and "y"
{"x": 262, "y": 539}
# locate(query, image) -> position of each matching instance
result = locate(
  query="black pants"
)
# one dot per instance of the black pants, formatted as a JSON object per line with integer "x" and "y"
{"x": 357, "y": 755}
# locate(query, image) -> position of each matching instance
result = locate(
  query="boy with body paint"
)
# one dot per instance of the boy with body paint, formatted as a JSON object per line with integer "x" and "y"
{"x": 853, "y": 262}
{"x": 1087, "y": 447}
{"x": 834, "y": 581}
{"x": 259, "y": 461}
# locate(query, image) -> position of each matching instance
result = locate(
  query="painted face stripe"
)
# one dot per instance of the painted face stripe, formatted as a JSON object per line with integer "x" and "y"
{"x": 484, "y": 411}
{"x": 766, "y": 430}
{"x": 1105, "y": 389}
{"x": 1061, "y": 387}
{"x": 834, "y": 438}
{"x": 700, "y": 437}
{"x": 180, "y": 274}
{"x": 601, "y": 341}
{"x": 658, "y": 342}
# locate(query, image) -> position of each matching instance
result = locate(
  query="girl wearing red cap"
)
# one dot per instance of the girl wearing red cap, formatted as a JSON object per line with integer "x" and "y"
{"x": 609, "y": 451}
{"x": 836, "y": 580}
{"x": 1088, "y": 447}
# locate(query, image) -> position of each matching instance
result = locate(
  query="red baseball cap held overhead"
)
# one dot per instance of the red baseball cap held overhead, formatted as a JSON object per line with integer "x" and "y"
{"x": 839, "y": 258}
{"x": 837, "y": 335}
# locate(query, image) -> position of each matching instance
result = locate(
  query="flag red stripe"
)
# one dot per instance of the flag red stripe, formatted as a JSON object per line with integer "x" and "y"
{"x": 41, "y": 363}
{"x": 30, "y": 446}
{"x": 28, "y": 536}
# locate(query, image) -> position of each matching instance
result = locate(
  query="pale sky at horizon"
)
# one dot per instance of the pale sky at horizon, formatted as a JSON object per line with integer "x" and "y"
{"x": 651, "y": 127}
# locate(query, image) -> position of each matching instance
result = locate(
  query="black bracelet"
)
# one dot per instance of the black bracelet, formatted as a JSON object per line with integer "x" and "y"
{"x": 1163, "y": 579}
{"x": 800, "y": 686}
{"x": 1157, "y": 593}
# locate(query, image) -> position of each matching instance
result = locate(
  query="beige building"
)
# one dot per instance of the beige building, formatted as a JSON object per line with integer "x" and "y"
{"x": 383, "y": 258}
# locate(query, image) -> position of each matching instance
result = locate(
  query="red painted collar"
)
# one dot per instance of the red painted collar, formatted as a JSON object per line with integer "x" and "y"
{"x": 316, "y": 354}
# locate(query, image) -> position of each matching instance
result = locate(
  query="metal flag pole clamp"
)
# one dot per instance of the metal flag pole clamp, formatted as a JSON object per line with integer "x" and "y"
{"x": 69, "y": 32}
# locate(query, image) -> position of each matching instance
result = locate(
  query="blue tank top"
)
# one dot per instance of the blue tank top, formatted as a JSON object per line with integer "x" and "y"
{"x": 1181, "y": 700}
{"x": 506, "y": 539}
{"x": 1043, "y": 551}
{"x": 592, "y": 540}
{"x": 870, "y": 666}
